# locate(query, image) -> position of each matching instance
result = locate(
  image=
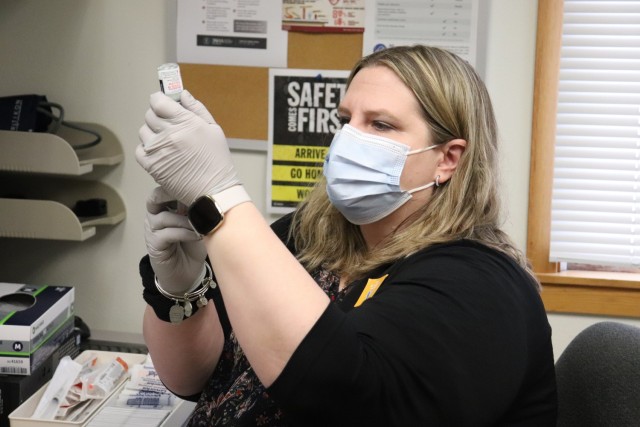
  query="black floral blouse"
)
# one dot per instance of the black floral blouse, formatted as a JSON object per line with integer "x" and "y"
{"x": 234, "y": 395}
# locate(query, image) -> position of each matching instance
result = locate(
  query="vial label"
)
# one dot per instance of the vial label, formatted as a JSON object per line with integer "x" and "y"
{"x": 170, "y": 80}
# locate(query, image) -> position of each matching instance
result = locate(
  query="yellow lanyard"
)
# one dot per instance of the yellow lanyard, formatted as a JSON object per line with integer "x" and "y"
{"x": 370, "y": 289}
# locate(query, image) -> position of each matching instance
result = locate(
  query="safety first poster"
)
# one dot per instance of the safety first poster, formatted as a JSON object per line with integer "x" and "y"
{"x": 303, "y": 117}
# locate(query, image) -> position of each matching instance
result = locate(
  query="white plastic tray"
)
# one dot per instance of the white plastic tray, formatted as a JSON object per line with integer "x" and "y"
{"x": 21, "y": 416}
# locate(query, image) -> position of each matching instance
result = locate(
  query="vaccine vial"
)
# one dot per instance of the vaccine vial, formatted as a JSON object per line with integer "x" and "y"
{"x": 170, "y": 80}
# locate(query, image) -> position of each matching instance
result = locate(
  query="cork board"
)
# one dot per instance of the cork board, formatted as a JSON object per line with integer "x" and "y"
{"x": 238, "y": 97}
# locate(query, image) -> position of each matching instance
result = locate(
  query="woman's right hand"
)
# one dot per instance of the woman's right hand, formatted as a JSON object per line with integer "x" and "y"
{"x": 177, "y": 253}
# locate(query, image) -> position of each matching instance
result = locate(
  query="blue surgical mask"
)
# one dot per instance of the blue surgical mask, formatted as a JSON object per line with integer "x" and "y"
{"x": 363, "y": 175}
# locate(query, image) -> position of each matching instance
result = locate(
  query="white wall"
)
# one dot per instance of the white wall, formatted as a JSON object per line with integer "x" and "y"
{"x": 98, "y": 59}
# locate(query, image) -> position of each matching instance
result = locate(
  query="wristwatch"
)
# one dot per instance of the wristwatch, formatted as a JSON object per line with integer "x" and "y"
{"x": 207, "y": 212}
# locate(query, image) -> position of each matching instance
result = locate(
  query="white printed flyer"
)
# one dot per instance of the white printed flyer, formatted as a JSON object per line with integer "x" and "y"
{"x": 231, "y": 32}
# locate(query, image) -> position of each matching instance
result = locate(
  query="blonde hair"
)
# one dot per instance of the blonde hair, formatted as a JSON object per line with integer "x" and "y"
{"x": 455, "y": 104}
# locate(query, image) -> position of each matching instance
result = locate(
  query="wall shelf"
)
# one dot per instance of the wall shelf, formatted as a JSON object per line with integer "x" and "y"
{"x": 40, "y": 185}
{"x": 42, "y": 209}
{"x": 46, "y": 153}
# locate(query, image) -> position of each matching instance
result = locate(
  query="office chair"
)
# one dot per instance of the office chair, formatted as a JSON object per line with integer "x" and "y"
{"x": 598, "y": 377}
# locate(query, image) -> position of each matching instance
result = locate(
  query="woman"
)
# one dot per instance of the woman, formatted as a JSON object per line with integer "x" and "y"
{"x": 395, "y": 299}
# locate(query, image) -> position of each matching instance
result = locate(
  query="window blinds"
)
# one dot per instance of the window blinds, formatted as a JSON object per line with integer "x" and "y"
{"x": 595, "y": 216}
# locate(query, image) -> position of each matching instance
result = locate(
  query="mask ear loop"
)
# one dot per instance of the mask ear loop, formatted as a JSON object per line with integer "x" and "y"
{"x": 435, "y": 183}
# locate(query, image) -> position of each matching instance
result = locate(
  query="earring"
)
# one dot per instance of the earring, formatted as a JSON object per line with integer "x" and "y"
{"x": 437, "y": 180}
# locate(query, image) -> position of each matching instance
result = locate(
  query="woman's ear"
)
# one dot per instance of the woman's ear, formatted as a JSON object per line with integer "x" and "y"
{"x": 452, "y": 151}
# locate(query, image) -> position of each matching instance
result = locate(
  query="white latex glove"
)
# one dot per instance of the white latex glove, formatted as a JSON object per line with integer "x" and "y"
{"x": 176, "y": 252}
{"x": 184, "y": 151}
{"x": 190, "y": 103}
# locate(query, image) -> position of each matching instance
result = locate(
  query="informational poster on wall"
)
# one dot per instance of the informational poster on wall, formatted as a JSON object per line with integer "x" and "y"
{"x": 303, "y": 117}
{"x": 449, "y": 24}
{"x": 323, "y": 16}
{"x": 231, "y": 32}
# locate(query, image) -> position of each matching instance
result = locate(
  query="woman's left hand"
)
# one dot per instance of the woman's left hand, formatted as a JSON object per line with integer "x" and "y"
{"x": 184, "y": 149}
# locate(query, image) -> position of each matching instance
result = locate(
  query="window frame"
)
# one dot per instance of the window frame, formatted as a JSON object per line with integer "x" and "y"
{"x": 581, "y": 292}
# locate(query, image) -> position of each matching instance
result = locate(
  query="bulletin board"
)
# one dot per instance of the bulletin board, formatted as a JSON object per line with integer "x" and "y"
{"x": 238, "y": 97}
